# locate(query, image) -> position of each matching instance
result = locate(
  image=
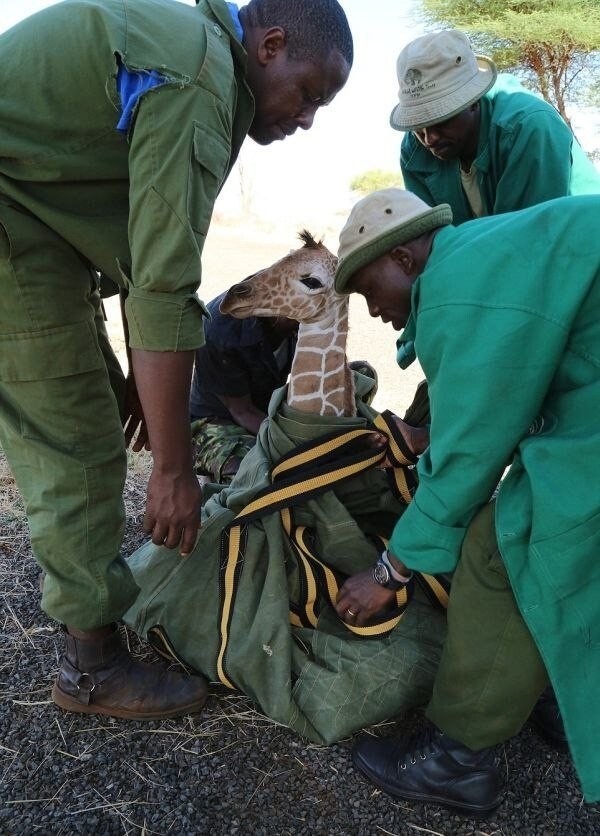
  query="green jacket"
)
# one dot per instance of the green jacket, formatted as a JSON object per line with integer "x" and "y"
{"x": 137, "y": 207}
{"x": 514, "y": 374}
{"x": 526, "y": 154}
{"x": 259, "y": 617}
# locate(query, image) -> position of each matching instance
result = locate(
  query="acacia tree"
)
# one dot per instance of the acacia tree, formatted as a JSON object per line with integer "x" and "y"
{"x": 375, "y": 179}
{"x": 553, "y": 43}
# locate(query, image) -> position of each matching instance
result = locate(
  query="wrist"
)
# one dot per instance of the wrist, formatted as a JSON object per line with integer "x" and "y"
{"x": 173, "y": 468}
{"x": 397, "y": 569}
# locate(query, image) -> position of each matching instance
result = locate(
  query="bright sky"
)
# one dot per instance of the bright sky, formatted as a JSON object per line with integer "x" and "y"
{"x": 304, "y": 180}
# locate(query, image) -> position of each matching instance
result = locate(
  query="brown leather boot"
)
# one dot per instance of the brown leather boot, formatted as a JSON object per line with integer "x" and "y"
{"x": 97, "y": 675}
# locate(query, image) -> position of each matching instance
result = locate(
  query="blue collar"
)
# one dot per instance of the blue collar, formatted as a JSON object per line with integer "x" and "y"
{"x": 235, "y": 16}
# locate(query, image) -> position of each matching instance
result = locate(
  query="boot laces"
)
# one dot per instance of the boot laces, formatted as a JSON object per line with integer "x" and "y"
{"x": 420, "y": 745}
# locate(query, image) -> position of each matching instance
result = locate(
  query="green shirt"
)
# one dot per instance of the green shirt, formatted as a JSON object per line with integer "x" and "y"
{"x": 526, "y": 154}
{"x": 506, "y": 325}
{"x": 137, "y": 207}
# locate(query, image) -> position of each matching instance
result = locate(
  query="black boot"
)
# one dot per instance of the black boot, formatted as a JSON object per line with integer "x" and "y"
{"x": 97, "y": 675}
{"x": 547, "y": 720}
{"x": 431, "y": 767}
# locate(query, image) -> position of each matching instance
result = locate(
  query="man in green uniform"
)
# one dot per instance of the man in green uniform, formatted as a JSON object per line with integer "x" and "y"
{"x": 478, "y": 141}
{"x": 503, "y": 314}
{"x": 119, "y": 122}
{"x": 483, "y": 144}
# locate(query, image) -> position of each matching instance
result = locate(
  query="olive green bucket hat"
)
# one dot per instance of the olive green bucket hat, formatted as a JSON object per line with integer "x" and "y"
{"x": 439, "y": 76}
{"x": 378, "y": 223}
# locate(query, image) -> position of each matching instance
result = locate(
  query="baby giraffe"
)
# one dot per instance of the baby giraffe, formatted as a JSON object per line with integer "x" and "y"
{"x": 300, "y": 286}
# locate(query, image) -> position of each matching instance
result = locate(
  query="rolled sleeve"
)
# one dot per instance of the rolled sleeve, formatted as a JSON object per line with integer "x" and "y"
{"x": 443, "y": 543}
{"x": 164, "y": 321}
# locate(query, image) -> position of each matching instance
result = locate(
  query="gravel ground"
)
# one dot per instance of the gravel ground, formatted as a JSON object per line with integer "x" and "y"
{"x": 227, "y": 770}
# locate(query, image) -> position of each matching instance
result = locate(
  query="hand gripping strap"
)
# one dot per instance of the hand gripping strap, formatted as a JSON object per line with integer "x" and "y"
{"x": 310, "y": 470}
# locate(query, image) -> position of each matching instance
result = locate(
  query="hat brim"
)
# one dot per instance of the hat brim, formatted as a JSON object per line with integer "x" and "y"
{"x": 396, "y": 236}
{"x": 424, "y": 114}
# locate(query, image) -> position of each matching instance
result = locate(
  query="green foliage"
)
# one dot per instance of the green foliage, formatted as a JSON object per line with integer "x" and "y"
{"x": 593, "y": 95}
{"x": 376, "y": 178}
{"x": 552, "y": 43}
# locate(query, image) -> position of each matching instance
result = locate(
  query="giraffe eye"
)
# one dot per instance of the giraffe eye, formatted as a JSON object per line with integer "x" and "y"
{"x": 311, "y": 282}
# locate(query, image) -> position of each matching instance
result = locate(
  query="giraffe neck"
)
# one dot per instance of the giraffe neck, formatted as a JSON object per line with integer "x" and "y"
{"x": 320, "y": 380}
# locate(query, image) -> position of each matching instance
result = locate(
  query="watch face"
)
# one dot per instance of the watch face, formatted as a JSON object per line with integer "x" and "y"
{"x": 381, "y": 574}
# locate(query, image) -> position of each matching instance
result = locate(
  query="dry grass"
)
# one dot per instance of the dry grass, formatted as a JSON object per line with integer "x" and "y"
{"x": 229, "y": 769}
{"x": 31, "y": 646}
{"x": 64, "y": 773}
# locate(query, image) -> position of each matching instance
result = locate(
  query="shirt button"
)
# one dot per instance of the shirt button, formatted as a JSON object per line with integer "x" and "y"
{"x": 217, "y": 30}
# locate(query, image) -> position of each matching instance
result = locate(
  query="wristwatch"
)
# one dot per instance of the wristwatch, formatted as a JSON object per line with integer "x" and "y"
{"x": 383, "y": 576}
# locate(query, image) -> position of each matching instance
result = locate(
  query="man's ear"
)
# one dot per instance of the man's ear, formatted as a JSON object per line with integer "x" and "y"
{"x": 272, "y": 42}
{"x": 404, "y": 258}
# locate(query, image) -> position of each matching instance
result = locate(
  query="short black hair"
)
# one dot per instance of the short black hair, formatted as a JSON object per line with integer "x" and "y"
{"x": 314, "y": 28}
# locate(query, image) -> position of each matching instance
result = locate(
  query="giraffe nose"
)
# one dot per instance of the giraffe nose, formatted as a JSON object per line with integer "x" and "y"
{"x": 241, "y": 289}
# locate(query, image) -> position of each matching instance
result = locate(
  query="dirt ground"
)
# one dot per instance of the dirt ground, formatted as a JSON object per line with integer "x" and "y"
{"x": 228, "y": 770}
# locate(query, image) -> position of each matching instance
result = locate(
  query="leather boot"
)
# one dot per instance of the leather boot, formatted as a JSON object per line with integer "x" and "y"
{"x": 547, "y": 720}
{"x": 97, "y": 675}
{"x": 431, "y": 767}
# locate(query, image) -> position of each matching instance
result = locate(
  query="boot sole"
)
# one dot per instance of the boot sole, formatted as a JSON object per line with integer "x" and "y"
{"x": 474, "y": 811}
{"x": 66, "y": 702}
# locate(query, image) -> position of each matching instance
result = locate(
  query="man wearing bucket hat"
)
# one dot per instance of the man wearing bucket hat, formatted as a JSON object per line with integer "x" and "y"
{"x": 514, "y": 373}
{"x": 483, "y": 144}
{"x": 478, "y": 140}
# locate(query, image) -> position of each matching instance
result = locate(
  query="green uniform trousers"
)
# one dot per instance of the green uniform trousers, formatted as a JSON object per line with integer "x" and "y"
{"x": 60, "y": 423}
{"x": 491, "y": 673}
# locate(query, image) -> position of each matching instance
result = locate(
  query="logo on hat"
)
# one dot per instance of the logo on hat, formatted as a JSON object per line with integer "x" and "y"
{"x": 413, "y": 76}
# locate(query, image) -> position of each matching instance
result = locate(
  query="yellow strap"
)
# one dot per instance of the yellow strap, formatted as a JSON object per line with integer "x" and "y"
{"x": 436, "y": 588}
{"x": 308, "y": 472}
{"x": 227, "y": 597}
{"x": 398, "y": 450}
{"x": 330, "y": 586}
{"x": 310, "y": 453}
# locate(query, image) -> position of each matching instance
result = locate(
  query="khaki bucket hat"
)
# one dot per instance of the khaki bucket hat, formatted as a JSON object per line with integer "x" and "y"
{"x": 378, "y": 223}
{"x": 439, "y": 76}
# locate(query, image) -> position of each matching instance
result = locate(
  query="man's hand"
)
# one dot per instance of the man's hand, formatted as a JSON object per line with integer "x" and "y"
{"x": 133, "y": 420}
{"x": 360, "y": 598}
{"x": 173, "y": 510}
{"x": 416, "y": 438}
{"x": 174, "y": 495}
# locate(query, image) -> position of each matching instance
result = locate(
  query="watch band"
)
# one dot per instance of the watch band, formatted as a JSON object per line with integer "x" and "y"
{"x": 385, "y": 556}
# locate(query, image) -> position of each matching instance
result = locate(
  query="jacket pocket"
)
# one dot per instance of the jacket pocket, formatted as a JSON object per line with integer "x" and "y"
{"x": 50, "y": 353}
{"x": 570, "y": 566}
{"x": 208, "y": 166}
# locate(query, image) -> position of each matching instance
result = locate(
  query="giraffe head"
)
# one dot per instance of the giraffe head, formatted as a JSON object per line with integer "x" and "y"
{"x": 299, "y": 286}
